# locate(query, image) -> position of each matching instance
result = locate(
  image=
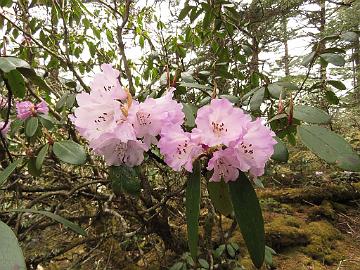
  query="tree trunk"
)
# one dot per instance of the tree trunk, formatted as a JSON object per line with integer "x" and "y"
{"x": 286, "y": 46}
{"x": 356, "y": 63}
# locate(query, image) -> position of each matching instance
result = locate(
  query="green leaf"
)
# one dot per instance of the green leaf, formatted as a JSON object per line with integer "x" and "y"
{"x": 349, "y": 36}
{"x": 257, "y": 99}
{"x": 11, "y": 255}
{"x": 331, "y": 97}
{"x": 220, "y": 198}
{"x": 109, "y": 35}
{"x": 219, "y": 251}
{"x": 185, "y": 11}
{"x": 61, "y": 102}
{"x": 332, "y": 58}
{"x": 31, "y": 166}
{"x": 16, "y": 82}
{"x": 208, "y": 18}
{"x": 177, "y": 266}
{"x": 275, "y": 90}
{"x": 194, "y": 13}
{"x": 141, "y": 41}
{"x": 308, "y": 59}
{"x": 349, "y": 162}
{"x": 8, "y": 171}
{"x": 189, "y": 115}
{"x": 189, "y": 259}
{"x": 124, "y": 179}
{"x": 204, "y": 263}
{"x": 337, "y": 84}
{"x": 192, "y": 205}
{"x": 70, "y": 152}
{"x": 277, "y": 117}
{"x": 230, "y": 98}
{"x": 41, "y": 156}
{"x": 31, "y": 126}
{"x": 187, "y": 77}
{"x": 8, "y": 64}
{"x": 230, "y": 250}
{"x": 249, "y": 217}
{"x": 235, "y": 246}
{"x": 268, "y": 255}
{"x": 196, "y": 85}
{"x": 67, "y": 223}
{"x": 71, "y": 84}
{"x": 288, "y": 85}
{"x": 47, "y": 121}
{"x": 311, "y": 114}
{"x": 6, "y": 3}
{"x": 31, "y": 75}
{"x": 329, "y": 146}
{"x": 280, "y": 151}
{"x": 70, "y": 100}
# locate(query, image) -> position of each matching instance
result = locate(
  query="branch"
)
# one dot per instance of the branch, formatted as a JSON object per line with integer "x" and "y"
{"x": 121, "y": 45}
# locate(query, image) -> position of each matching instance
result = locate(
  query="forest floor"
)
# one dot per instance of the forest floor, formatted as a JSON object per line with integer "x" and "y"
{"x": 308, "y": 228}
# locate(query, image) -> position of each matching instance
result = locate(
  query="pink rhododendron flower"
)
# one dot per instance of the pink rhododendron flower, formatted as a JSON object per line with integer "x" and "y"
{"x": 95, "y": 116}
{"x": 178, "y": 148}
{"x": 42, "y": 107}
{"x": 26, "y": 109}
{"x": 152, "y": 115}
{"x": 224, "y": 165}
{"x": 120, "y": 147}
{"x": 100, "y": 111}
{"x": 255, "y": 148}
{"x": 107, "y": 83}
{"x": 4, "y": 129}
{"x": 220, "y": 122}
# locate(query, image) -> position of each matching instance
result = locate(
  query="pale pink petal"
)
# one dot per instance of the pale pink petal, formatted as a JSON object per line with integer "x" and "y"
{"x": 220, "y": 123}
{"x": 178, "y": 148}
{"x": 42, "y": 107}
{"x": 224, "y": 164}
{"x": 255, "y": 148}
{"x": 25, "y": 109}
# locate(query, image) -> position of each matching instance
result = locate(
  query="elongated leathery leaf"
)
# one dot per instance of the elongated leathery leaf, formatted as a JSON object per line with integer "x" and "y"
{"x": 8, "y": 171}
{"x": 11, "y": 255}
{"x": 329, "y": 146}
{"x": 193, "y": 208}
{"x": 249, "y": 217}
{"x": 70, "y": 152}
{"x": 67, "y": 223}
{"x": 220, "y": 198}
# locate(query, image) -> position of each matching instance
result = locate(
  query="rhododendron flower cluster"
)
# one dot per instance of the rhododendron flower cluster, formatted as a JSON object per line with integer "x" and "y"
{"x": 118, "y": 127}
{"x": 26, "y": 109}
{"x": 122, "y": 129}
{"x": 226, "y": 134}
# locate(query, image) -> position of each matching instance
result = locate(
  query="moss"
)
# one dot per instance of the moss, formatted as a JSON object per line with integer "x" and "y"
{"x": 324, "y": 210}
{"x": 294, "y": 259}
{"x": 247, "y": 264}
{"x": 323, "y": 244}
{"x": 285, "y": 231}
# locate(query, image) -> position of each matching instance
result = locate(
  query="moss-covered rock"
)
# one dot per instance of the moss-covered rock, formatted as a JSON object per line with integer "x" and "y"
{"x": 324, "y": 210}
{"x": 285, "y": 231}
{"x": 323, "y": 242}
